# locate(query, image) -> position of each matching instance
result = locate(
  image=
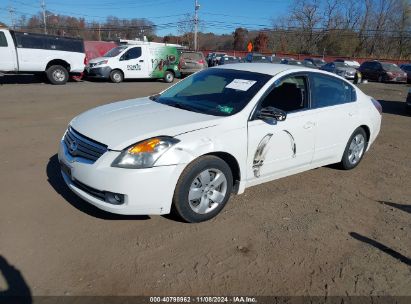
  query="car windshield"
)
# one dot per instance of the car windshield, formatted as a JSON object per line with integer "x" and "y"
{"x": 114, "y": 52}
{"x": 391, "y": 67}
{"x": 319, "y": 61}
{"x": 219, "y": 92}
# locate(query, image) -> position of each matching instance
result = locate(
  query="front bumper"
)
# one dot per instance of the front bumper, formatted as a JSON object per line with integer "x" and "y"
{"x": 102, "y": 72}
{"x": 146, "y": 191}
{"x": 187, "y": 71}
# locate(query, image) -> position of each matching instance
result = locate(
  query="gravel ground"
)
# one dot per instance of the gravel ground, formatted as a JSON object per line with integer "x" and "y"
{"x": 324, "y": 232}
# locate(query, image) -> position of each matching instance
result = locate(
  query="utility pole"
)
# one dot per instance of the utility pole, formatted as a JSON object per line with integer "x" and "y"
{"x": 43, "y": 7}
{"x": 11, "y": 12}
{"x": 99, "y": 31}
{"x": 196, "y": 8}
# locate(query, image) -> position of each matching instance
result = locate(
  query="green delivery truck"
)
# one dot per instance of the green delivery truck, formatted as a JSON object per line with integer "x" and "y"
{"x": 137, "y": 60}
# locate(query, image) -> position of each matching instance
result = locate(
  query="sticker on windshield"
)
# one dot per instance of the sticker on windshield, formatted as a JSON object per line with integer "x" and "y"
{"x": 225, "y": 109}
{"x": 241, "y": 84}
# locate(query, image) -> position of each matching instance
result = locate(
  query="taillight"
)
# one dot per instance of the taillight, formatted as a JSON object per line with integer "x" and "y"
{"x": 377, "y": 105}
{"x": 85, "y": 60}
{"x": 180, "y": 64}
{"x": 201, "y": 61}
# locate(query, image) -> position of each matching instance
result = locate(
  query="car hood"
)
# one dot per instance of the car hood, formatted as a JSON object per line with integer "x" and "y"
{"x": 121, "y": 124}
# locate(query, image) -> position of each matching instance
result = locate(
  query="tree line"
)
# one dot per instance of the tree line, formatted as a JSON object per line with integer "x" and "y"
{"x": 351, "y": 28}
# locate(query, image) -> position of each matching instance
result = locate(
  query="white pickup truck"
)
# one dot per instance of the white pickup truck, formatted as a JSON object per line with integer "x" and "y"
{"x": 56, "y": 56}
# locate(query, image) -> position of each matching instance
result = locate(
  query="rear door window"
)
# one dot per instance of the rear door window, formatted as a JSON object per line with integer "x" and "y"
{"x": 3, "y": 40}
{"x": 330, "y": 91}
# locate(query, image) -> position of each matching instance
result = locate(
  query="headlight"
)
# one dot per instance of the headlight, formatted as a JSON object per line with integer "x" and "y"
{"x": 102, "y": 62}
{"x": 145, "y": 153}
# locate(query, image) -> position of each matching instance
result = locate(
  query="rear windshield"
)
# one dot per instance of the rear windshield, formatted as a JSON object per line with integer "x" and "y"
{"x": 219, "y": 92}
{"x": 390, "y": 67}
{"x": 114, "y": 52}
{"x": 192, "y": 56}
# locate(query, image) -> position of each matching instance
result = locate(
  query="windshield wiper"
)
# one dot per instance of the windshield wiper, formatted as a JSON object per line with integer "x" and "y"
{"x": 181, "y": 106}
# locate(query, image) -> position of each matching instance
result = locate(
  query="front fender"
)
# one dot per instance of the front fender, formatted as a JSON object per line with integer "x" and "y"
{"x": 213, "y": 140}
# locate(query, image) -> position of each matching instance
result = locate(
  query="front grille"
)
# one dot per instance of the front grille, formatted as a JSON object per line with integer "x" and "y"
{"x": 80, "y": 146}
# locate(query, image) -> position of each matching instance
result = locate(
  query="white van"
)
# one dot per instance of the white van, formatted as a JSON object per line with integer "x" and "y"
{"x": 56, "y": 56}
{"x": 137, "y": 60}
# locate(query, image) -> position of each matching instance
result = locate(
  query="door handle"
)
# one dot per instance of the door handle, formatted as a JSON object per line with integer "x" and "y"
{"x": 141, "y": 61}
{"x": 309, "y": 125}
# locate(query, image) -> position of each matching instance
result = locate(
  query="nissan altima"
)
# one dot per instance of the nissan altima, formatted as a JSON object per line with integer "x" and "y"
{"x": 213, "y": 134}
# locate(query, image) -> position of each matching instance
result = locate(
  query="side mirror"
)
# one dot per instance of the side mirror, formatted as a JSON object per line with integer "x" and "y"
{"x": 270, "y": 113}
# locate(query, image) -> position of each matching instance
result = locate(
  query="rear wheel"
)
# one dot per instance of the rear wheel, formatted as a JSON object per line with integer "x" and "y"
{"x": 116, "y": 76}
{"x": 168, "y": 76}
{"x": 203, "y": 189}
{"x": 355, "y": 149}
{"x": 57, "y": 74}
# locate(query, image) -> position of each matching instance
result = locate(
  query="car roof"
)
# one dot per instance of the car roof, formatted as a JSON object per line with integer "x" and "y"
{"x": 263, "y": 68}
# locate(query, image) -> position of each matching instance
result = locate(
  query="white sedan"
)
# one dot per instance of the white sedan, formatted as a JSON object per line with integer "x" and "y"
{"x": 215, "y": 133}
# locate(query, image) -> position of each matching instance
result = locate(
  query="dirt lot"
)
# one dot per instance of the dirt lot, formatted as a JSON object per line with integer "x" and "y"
{"x": 323, "y": 232}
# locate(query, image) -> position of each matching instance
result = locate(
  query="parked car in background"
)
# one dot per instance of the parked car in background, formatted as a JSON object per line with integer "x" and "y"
{"x": 214, "y": 58}
{"x": 137, "y": 60}
{"x": 318, "y": 62}
{"x": 55, "y": 56}
{"x": 256, "y": 57}
{"x": 228, "y": 59}
{"x": 351, "y": 63}
{"x": 275, "y": 59}
{"x": 382, "y": 72}
{"x": 291, "y": 61}
{"x": 340, "y": 68}
{"x": 189, "y": 148}
{"x": 407, "y": 69}
{"x": 191, "y": 62}
{"x": 309, "y": 64}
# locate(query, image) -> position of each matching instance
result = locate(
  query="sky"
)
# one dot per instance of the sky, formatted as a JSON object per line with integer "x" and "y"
{"x": 218, "y": 16}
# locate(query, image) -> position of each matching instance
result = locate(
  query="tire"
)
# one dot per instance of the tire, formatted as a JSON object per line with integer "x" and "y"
{"x": 57, "y": 75}
{"x": 168, "y": 77}
{"x": 355, "y": 149}
{"x": 206, "y": 179}
{"x": 116, "y": 76}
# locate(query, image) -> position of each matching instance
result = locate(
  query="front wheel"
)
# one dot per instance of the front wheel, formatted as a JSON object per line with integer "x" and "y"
{"x": 116, "y": 76}
{"x": 57, "y": 74}
{"x": 355, "y": 149}
{"x": 203, "y": 189}
{"x": 168, "y": 76}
